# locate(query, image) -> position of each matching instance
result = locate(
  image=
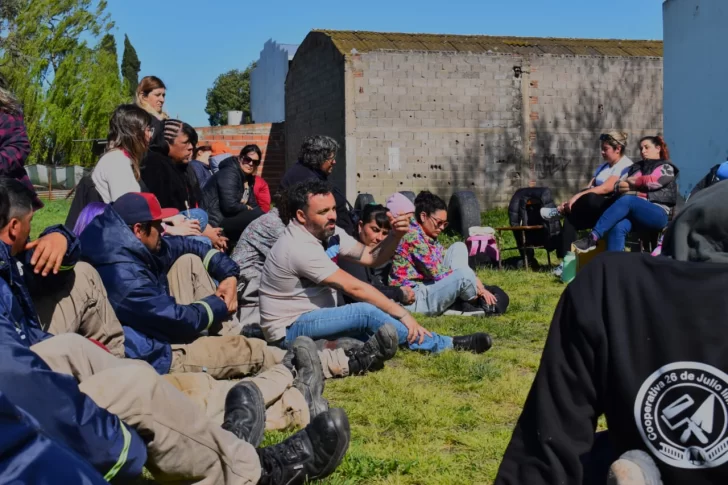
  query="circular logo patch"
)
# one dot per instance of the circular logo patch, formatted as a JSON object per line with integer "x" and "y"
{"x": 681, "y": 411}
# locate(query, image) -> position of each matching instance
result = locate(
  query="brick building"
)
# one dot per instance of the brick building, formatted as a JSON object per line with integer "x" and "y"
{"x": 268, "y": 136}
{"x": 488, "y": 114}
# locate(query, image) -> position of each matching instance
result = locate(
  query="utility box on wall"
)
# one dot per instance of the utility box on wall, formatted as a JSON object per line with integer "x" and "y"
{"x": 696, "y": 72}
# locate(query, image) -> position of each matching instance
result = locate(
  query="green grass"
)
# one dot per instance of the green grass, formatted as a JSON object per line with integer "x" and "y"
{"x": 54, "y": 212}
{"x": 443, "y": 419}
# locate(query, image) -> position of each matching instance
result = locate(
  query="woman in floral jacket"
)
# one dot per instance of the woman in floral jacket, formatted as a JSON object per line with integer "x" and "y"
{"x": 442, "y": 280}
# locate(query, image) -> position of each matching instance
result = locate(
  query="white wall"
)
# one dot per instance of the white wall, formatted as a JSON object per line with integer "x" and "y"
{"x": 696, "y": 74}
{"x": 268, "y": 81}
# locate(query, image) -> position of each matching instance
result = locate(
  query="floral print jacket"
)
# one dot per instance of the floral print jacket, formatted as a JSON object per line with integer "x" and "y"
{"x": 418, "y": 259}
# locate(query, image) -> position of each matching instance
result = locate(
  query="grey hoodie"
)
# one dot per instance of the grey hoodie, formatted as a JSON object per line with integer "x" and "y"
{"x": 700, "y": 230}
{"x": 217, "y": 160}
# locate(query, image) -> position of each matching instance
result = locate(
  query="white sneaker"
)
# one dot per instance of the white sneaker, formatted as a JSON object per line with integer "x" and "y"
{"x": 548, "y": 213}
{"x": 557, "y": 271}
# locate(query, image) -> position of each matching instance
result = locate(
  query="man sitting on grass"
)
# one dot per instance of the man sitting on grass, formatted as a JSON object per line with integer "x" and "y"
{"x": 298, "y": 292}
{"x": 100, "y": 406}
{"x": 642, "y": 340}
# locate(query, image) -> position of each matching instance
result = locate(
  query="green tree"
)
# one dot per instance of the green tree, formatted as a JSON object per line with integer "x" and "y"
{"x": 68, "y": 88}
{"x": 130, "y": 67}
{"x": 229, "y": 92}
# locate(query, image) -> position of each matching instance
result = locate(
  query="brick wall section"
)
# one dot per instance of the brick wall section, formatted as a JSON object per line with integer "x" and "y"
{"x": 269, "y": 137}
{"x": 315, "y": 99}
{"x": 437, "y": 121}
{"x": 574, "y": 99}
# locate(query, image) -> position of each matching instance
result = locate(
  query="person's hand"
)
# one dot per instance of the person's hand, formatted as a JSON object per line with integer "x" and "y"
{"x": 176, "y": 219}
{"x": 572, "y": 201}
{"x": 623, "y": 186}
{"x": 489, "y": 297}
{"x": 219, "y": 241}
{"x": 185, "y": 227}
{"x": 415, "y": 331}
{"x": 409, "y": 295}
{"x": 228, "y": 291}
{"x": 49, "y": 252}
{"x": 400, "y": 225}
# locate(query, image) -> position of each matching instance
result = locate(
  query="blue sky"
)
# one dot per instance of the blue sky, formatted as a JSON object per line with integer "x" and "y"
{"x": 188, "y": 43}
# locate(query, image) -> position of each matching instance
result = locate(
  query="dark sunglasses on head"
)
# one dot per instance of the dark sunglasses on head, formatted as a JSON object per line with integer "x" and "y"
{"x": 605, "y": 137}
{"x": 249, "y": 161}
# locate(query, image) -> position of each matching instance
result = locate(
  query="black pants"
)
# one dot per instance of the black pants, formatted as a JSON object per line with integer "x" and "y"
{"x": 584, "y": 215}
{"x": 234, "y": 226}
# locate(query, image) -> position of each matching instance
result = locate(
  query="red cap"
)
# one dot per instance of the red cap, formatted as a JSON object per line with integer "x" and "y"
{"x": 136, "y": 207}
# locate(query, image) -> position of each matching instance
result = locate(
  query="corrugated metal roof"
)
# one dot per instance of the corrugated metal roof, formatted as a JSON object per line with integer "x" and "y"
{"x": 346, "y": 40}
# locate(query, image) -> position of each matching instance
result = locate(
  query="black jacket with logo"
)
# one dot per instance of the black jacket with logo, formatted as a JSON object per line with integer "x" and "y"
{"x": 644, "y": 341}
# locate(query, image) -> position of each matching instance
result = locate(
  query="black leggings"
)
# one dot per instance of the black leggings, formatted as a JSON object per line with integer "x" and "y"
{"x": 584, "y": 215}
{"x": 234, "y": 226}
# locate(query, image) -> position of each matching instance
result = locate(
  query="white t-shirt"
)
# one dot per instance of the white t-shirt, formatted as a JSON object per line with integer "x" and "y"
{"x": 114, "y": 177}
{"x": 604, "y": 171}
{"x": 290, "y": 284}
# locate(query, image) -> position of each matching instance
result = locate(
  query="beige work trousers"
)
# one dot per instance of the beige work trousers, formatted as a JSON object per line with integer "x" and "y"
{"x": 183, "y": 444}
{"x": 189, "y": 281}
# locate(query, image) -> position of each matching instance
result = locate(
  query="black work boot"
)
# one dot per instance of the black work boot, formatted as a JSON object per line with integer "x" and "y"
{"x": 245, "y": 412}
{"x": 475, "y": 342}
{"x": 309, "y": 375}
{"x": 312, "y": 453}
{"x": 380, "y": 347}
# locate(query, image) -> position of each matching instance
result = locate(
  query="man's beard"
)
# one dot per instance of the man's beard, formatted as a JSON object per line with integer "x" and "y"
{"x": 324, "y": 233}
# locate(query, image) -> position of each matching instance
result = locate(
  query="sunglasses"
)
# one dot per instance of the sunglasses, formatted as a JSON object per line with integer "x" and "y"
{"x": 249, "y": 161}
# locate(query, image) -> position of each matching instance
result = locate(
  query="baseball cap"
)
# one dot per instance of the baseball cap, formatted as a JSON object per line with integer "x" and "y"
{"x": 399, "y": 204}
{"x": 218, "y": 148}
{"x": 136, "y": 207}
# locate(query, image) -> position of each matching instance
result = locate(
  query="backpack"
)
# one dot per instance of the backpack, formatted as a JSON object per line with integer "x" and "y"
{"x": 482, "y": 247}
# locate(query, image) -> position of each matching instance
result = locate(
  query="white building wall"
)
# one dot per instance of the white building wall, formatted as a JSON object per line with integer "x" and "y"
{"x": 268, "y": 81}
{"x": 695, "y": 76}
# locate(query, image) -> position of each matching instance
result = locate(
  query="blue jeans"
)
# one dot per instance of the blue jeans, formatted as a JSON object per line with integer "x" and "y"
{"x": 435, "y": 297}
{"x": 201, "y": 216}
{"x": 360, "y": 321}
{"x": 627, "y": 212}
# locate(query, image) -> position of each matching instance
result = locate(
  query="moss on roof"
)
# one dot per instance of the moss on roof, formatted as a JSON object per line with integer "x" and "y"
{"x": 346, "y": 40}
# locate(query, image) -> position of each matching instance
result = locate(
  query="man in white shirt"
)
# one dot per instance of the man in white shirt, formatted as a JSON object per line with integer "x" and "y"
{"x": 298, "y": 293}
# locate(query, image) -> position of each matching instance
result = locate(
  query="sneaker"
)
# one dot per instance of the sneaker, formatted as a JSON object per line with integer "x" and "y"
{"x": 312, "y": 453}
{"x": 309, "y": 375}
{"x": 476, "y": 342}
{"x": 549, "y": 213}
{"x": 585, "y": 244}
{"x": 464, "y": 309}
{"x": 245, "y": 412}
{"x": 634, "y": 467}
{"x": 380, "y": 347}
{"x": 558, "y": 271}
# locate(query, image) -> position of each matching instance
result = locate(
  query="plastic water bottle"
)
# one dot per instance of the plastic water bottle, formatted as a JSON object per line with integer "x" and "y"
{"x": 569, "y": 272}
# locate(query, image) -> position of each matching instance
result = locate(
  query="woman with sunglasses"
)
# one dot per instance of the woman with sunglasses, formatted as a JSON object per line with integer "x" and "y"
{"x": 231, "y": 195}
{"x": 442, "y": 281}
{"x": 584, "y": 209}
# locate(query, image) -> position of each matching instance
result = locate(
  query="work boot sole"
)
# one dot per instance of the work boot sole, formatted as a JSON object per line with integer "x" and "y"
{"x": 307, "y": 357}
{"x": 388, "y": 341}
{"x": 341, "y": 424}
{"x": 255, "y": 396}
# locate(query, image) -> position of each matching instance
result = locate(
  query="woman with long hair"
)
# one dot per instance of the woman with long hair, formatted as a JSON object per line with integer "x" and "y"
{"x": 118, "y": 170}
{"x": 14, "y": 145}
{"x": 647, "y": 198}
{"x": 151, "y": 95}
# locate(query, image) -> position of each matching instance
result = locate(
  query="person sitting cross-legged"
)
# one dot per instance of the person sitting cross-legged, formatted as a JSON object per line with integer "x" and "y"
{"x": 99, "y": 406}
{"x": 298, "y": 291}
{"x": 441, "y": 280}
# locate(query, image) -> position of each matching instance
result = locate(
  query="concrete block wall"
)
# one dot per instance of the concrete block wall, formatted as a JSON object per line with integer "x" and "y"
{"x": 315, "y": 100}
{"x": 437, "y": 121}
{"x": 572, "y": 100}
{"x": 453, "y": 121}
{"x": 268, "y": 136}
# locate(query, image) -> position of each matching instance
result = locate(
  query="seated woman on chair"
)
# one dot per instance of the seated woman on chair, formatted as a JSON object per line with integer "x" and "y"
{"x": 649, "y": 195}
{"x": 584, "y": 209}
{"x": 440, "y": 279}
